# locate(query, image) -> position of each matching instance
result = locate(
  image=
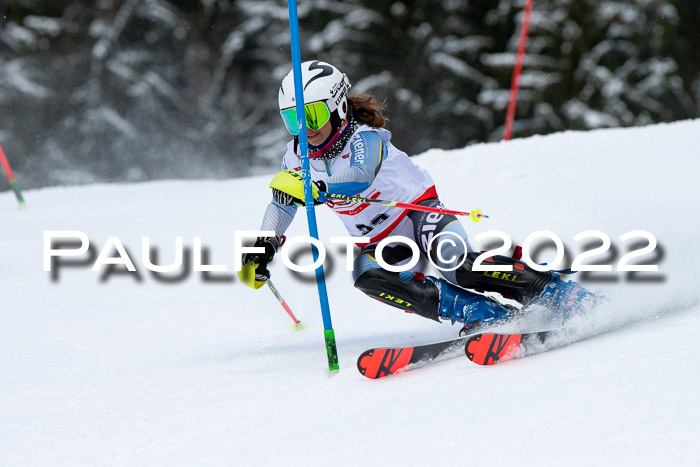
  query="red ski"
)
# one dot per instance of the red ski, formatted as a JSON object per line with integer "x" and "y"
{"x": 483, "y": 348}
{"x": 377, "y": 363}
{"x": 487, "y": 349}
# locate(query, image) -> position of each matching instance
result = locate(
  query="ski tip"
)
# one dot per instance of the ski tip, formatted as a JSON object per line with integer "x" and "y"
{"x": 378, "y": 363}
{"x": 487, "y": 349}
{"x": 363, "y": 362}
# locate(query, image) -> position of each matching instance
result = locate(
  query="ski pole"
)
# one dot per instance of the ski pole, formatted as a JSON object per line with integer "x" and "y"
{"x": 298, "y": 324}
{"x": 10, "y": 176}
{"x": 476, "y": 215}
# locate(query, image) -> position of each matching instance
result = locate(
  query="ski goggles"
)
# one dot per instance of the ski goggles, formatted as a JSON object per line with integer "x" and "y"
{"x": 317, "y": 115}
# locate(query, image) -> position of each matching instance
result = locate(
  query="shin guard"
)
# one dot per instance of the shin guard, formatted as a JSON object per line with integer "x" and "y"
{"x": 406, "y": 290}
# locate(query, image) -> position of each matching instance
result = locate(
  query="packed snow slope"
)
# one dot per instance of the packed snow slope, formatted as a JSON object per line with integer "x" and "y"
{"x": 129, "y": 369}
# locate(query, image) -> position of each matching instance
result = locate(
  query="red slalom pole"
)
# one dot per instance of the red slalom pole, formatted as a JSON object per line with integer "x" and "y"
{"x": 10, "y": 176}
{"x": 515, "y": 84}
{"x": 476, "y": 215}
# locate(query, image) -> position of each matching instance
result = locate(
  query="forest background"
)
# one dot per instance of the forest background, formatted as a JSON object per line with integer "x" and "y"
{"x": 106, "y": 90}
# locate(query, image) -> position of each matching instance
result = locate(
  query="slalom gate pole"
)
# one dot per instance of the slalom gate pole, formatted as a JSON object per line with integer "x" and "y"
{"x": 515, "y": 84}
{"x": 329, "y": 334}
{"x": 476, "y": 215}
{"x": 10, "y": 176}
{"x": 297, "y": 323}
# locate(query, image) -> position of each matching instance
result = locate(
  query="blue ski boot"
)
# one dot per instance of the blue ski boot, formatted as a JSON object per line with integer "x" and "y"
{"x": 471, "y": 309}
{"x": 566, "y": 298}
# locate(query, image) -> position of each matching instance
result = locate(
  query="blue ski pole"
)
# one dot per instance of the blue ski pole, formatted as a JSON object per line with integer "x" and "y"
{"x": 329, "y": 334}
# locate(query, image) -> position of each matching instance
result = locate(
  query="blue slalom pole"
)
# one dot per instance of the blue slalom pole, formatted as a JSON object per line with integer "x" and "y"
{"x": 331, "y": 350}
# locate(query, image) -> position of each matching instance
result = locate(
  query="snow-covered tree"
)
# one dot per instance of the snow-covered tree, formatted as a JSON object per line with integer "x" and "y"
{"x": 94, "y": 90}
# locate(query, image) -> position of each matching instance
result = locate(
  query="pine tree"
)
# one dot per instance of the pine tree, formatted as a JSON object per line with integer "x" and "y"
{"x": 141, "y": 89}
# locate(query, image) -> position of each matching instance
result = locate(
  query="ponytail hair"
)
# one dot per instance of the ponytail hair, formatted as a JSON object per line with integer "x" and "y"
{"x": 367, "y": 110}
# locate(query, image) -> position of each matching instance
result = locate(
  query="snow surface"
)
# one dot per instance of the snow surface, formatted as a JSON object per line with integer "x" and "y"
{"x": 129, "y": 372}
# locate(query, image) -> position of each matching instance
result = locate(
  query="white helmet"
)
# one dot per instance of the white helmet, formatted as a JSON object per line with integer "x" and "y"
{"x": 322, "y": 83}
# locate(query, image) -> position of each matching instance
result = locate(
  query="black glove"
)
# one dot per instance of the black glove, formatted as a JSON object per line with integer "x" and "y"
{"x": 285, "y": 199}
{"x": 271, "y": 245}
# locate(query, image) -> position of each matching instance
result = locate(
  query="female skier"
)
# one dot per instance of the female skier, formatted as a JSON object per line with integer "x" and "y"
{"x": 351, "y": 154}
